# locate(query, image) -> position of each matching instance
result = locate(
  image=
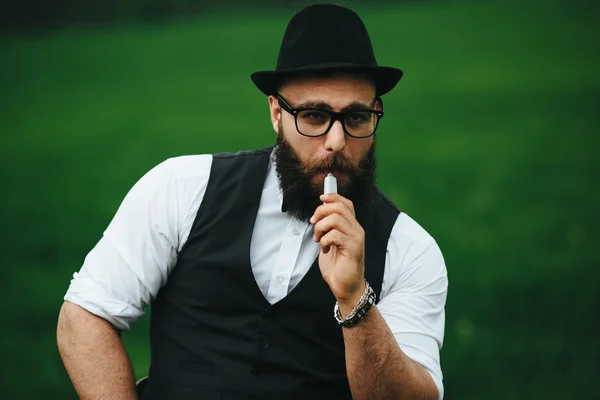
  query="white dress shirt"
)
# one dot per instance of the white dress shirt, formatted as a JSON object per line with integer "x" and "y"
{"x": 124, "y": 272}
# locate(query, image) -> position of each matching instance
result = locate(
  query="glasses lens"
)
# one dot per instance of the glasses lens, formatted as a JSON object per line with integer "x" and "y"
{"x": 313, "y": 122}
{"x": 361, "y": 123}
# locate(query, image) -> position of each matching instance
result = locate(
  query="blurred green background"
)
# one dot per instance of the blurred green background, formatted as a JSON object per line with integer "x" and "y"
{"x": 490, "y": 142}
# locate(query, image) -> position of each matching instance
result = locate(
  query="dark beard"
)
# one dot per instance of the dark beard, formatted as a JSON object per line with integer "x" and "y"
{"x": 301, "y": 197}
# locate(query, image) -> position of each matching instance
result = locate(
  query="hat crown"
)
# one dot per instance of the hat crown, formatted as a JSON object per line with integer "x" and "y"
{"x": 322, "y": 38}
{"x": 325, "y": 33}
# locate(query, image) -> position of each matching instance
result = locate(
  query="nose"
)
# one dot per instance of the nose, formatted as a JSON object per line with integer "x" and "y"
{"x": 335, "y": 139}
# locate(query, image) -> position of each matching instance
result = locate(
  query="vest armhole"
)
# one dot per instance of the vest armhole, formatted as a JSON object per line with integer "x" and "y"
{"x": 382, "y": 222}
{"x": 216, "y": 162}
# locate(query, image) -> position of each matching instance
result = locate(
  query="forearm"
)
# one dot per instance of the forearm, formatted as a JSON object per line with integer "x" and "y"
{"x": 94, "y": 355}
{"x": 376, "y": 366}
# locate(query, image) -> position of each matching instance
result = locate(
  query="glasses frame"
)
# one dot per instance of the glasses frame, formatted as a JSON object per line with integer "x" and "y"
{"x": 335, "y": 116}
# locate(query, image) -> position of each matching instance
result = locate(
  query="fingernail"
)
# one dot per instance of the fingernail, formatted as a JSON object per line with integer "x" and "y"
{"x": 312, "y": 219}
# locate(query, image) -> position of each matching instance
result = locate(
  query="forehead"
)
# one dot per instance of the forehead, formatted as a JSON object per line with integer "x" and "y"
{"x": 336, "y": 89}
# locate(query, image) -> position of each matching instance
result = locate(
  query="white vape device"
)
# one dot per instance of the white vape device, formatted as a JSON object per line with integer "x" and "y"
{"x": 330, "y": 185}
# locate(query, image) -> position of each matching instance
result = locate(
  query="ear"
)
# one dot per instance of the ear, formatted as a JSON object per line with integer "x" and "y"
{"x": 275, "y": 111}
{"x": 378, "y": 103}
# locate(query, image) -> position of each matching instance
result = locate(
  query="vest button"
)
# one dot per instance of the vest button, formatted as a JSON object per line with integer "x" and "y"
{"x": 264, "y": 344}
{"x": 258, "y": 372}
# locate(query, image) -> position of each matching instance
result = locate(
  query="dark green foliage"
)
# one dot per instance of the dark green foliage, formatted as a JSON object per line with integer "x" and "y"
{"x": 490, "y": 141}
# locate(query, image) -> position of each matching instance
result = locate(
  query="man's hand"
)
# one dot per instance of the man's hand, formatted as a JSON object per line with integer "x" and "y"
{"x": 342, "y": 254}
{"x": 375, "y": 364}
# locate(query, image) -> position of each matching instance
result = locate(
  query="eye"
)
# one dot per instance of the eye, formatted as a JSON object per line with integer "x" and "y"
{"x": 314, "y": 116}
{"x": 358, "y": 118}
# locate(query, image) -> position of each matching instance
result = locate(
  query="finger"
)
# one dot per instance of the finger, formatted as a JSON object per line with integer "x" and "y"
{"x": 332, "y": 221}
{"x": 333, "y": 238}
{"x": 332, "y": 208}
{"x": 335, "y": 197}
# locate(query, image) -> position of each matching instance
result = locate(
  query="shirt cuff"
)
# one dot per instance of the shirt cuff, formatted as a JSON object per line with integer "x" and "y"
{"x": 85, "y": 294}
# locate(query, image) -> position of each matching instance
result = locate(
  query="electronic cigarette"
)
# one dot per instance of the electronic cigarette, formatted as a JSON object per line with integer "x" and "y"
{"x": 330, "y": 185}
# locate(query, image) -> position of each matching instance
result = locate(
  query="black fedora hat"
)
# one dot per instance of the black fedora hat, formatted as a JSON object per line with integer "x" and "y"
{"x": 326, "y": 37}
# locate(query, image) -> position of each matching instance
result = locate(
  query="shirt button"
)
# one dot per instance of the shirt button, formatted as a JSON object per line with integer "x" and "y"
{"x": 296, "y": 232}
{"x": 259, "y": 373}
{"x": 264, "y": 344}
{"x": 280, "y": 279}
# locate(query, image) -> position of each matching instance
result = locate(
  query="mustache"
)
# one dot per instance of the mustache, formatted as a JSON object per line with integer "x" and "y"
{"x": 301, "y": 193}
{"x": 337, "y": 162}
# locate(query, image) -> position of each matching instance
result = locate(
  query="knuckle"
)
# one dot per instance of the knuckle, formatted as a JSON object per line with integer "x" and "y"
{"x": 350, "y": 204}
{"x": 346, "y": 207}
{"x": 324, "y": 225}
{"x": 321, "y": 226}
{"x": 361, "y": 232}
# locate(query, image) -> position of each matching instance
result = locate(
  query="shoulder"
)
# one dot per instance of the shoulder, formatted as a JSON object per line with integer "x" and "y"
{"x": 176, "y": 180}
{"x": 408, "y": 230}
{"x": 186, "y": 179}
{"x": 185, "y": 167}
{"x": 405, "y": 228}
{"x": 166, "y": 198}
{"x": 199, "y": 165}
{"x": 246, "y": 153}
{"x": 408, "y": 240}
{"x": 415, "y": 259}
{"x": 167, "y": 187}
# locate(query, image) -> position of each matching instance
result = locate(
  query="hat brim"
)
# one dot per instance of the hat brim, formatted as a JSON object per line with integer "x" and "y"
{"x": 385, "y": 78}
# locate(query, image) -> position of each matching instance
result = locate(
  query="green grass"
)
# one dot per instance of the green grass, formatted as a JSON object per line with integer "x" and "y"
{"x": 490, "y": 142}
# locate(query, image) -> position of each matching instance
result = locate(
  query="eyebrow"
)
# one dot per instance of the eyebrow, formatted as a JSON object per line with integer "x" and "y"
{"x": 354, "y": 106}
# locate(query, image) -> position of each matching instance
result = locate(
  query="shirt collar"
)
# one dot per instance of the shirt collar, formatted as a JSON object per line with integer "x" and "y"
{"x": 272, "y": 174}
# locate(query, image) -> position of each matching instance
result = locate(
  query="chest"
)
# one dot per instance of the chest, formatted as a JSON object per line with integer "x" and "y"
{"x": 281, "y": 249}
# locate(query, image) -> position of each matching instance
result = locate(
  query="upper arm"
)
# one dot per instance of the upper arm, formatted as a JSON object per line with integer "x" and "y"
{"x": 126, "y": 269}
{"x": 414, "y": 295}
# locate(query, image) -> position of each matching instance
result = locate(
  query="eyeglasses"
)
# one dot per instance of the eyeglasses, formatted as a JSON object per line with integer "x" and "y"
{"x": 315, "y": 122}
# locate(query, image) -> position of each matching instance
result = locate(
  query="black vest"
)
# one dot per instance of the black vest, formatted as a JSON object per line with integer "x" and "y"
{"x": 214, "y": 335}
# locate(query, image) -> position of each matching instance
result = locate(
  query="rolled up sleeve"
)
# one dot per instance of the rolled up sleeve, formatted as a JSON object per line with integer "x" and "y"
{"x": 107, "y": 287}
{"x": 124, "y": 272}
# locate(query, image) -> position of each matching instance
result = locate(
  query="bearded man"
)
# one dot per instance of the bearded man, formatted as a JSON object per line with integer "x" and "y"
{"x": 261, "y": 286}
